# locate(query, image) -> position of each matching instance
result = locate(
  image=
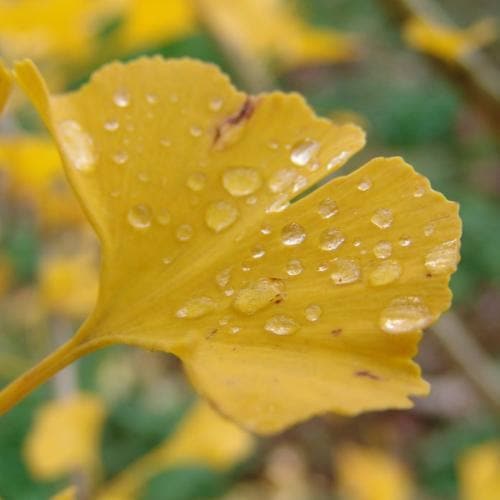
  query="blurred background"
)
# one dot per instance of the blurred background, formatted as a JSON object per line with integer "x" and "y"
{"x": 423, "y": 79}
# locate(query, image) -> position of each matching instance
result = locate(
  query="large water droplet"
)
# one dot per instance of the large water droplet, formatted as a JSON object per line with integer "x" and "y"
{"x": 337, "y": 160}
{"x": 327, "y": 208}
{"x": 293, "y": 234}
{"x": 259, "y": 294}
{"x": 294, "y": 267}
{"x": 241, "y": 181}
{"x": 382, "y": 250}
{"x": 331, "y": 239}
{"x": 303, "y": 151}
{"x": 196, "y": 181}
{"x": 344, "y": 271}
{"x": 443, "y": 258}
{"x": 77, "y": 145}
{"x": 281, "y": 325}
{"x": 139, "y": 216}
{"x": 383, "y": 218}
{"x": 385, "y": 273}
{"x": 313, "y": 312}
{"x": 196, "y": 308}
{"x": 220, "y": 215}
{"x": 121, "y": 98}
{"x": 405, "y": 315}
{"x": 184, "y": 232}
{"x": 282, "y": 180}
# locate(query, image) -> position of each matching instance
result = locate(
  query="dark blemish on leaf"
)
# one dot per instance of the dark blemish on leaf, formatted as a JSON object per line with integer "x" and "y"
{"x": 336, "y": 332}
{"x": 212, "y": 333}
{"x": 367, "y": 374}
{"x": 244, "y": 113}
{"x": 429, "y": 275}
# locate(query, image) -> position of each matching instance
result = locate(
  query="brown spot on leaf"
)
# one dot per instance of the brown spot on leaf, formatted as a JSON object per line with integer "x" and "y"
{"x": 230, "y": 130}
{"x": 367, "y": 374}
{"x": 336, "y": 332}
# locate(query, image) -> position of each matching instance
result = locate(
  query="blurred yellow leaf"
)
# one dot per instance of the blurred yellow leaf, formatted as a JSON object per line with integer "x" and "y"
{"x": 370, "y": 474}
{"x": 281, "y": 34}
{"x": 203, "y": 438}
{"x": 479, "y": 472}
{"x": 65, "y": 436}
{"x": 66, "y": 494}
{"x": 5, "y": 85}
{"x": 279, "y": 311}
{"x": 446, "y": 42}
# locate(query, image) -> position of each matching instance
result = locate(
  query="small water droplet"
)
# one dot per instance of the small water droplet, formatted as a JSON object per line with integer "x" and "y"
{"x": 386, "y": 272}
{"x": 196, "y": 181}
{"x": 223, "y": 277}
{"x": 419, "y": 192}
{"x": 282, "y": 180}
{"x": 356, "y": 243}
{"x": 259, "y": 294}
{"x": 77, "y": 145}
{"x": 121, "y": 98}
{"x": 322, "y": 267}
{"x": 139, "y": 216}
{"x": 215, "y": 104}
{"x": 337, "y": 160}
{"x": 280, "y": 204}
{"x": 312, "y": 167}
{"x": 167, "y": 260}
{"x": 246, "y": 266}
{"x": 383, "y": 218}
{"x": 111, "y": 125}
{"x": 184, "y": 232}
{"x": 404, "y": 241}
{"x": 195, "y": 131}
{"x": 303, "y": 152}
{"x": 258, "y": 252}
{"x": 313, "y": 312}
{"x": 293, "y": 234}
{"x": 281, "y": 325}
{"x": 345, "y": 271}
{"x": 221, "y": 215}
{"x": 196, "y": 308}
{"x": 331, "y": 239}
{"x": 251, "y": 200}
{"x": 294, "y": 267}
{"x": 429, "y": 229}
{"x": 443, "y": 258}
{"x": 365, "y": 184}
{"x": 266, "y": 229}
{"x": 151, "y": 98}
{"x": 327, "y": 208}
{"x": 382, "y": 250}
{"x": 241, "y": 181}
{"x": 143, "y": 177}
{"x": 163, "y": 217}
{"x": 120, "y": 158}
{"x": 273, "y": 145}
{"x": 165, "y": 142}
{"x": 405, "y": 315}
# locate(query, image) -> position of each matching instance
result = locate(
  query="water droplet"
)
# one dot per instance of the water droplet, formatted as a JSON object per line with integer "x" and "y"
{"x": 365, "y": 184}
{"x": 121, "y": 98}
{"x": 167, "y": 260}
{"x": 184, "y": 232}
{"x": 405, "y": 315}
{"x": 356, "y": 243}
{"x": 313, "y": 312}
{"x": 111, "y": 125}
{"x": 330, "y": 239}
{"x": 120, "y": 158}
{"x": 139, "y": 216}
{"x": 273, "y": 145}
{"x": 251, "y": 200}
{"x": 385, "y": 273}
{"x": 429, "y": 229}
{"x": 196, "y": 181}
{"x": 337, "y": 160}
{"x": 259, "y": 294}
{"x": 281, "y": 325}
{"x": 165, "y": 142}
{"x": 279, "y": 204}
{"x": 258, "y": 252}
{"x": 419, "y": 192}
{"x": 246, "y": 266}
{"x": 382, "y": 250}
{"x": 299, "y": 184}
{"x": 443, "y": 258}
{"x": 383, "y": 218}
{"x": 151, "y": 98}
{"x": 322, "y": 267}
{"x": 143, "y": 177}
{"x": 294, "y": 267}
{"x": 220, "y": 215}
{"x": 163, "y": 217}
{"x": 241, "y": 181}
{"x": 282, "y": 180}
{"x": 223, "y": 277}
{"x": 312, "y": 167}
{"x": 303, "y": 151}
{"x": 404, "y": 241}
{"x": 293, "y": 234}
{"x": 266, "y": 229}
{"x": 195, "y": 131}
{"x": 78, "y": 146}
{"x": 216, "y": 104}
{"x": 196, "y": 308}
{"x": 327, "y": 208}
{"x": 345, "y": 271}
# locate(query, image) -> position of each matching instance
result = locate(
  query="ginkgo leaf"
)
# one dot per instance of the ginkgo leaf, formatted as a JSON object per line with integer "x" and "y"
{"x": 5, "y": 85}
{"x": 203, "y": 438}
{"x": 279, "y": 311}
{"x": 65, "y": 436}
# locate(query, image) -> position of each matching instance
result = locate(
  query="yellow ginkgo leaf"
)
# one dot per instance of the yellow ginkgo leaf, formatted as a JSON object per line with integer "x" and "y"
{"x": 65, "y": 436}
{"x": 282, "y": 34}
{"x": 447, "y": 42}
{"x": 279, "y": 311}
{"x": 479, "y": 472}
{"x": 5, "y": 85}
{"x": 203, "y": 438}
{"x": 370, "y": 474}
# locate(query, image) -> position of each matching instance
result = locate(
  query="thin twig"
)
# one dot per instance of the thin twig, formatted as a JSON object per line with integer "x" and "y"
{"x": 470, "y": 357}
